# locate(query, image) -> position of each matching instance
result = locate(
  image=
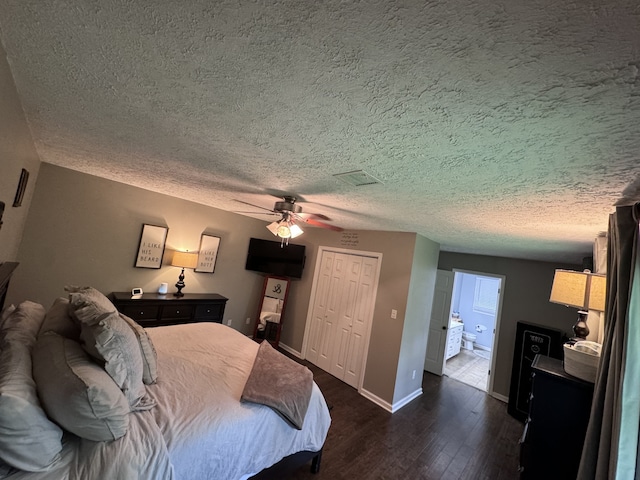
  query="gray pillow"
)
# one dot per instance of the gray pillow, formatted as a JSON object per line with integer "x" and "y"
{"x": 87, "y": 304}
{"x": 75, "y": 392}
{"x": 149, "y": 355}
{"x": 28, "y": 439}
{"x": 112, "y": 342}
{"x": 59, "y": 320}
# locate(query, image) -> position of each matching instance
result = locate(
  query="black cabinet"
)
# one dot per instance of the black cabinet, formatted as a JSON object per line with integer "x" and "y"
{"x": 153, "y": 310}
{"x": 531, "y": 340}
{"x": 554, "y": 433}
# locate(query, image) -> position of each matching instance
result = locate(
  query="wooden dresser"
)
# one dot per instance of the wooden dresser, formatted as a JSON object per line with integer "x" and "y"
{"x": 154, "y": 310}
{"x": 559, "y": 409}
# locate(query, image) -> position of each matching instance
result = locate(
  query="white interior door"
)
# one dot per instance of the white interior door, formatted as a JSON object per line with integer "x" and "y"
{"x": 439, "y": 322}
{"x": 318, "y": 325}
{"x": 341, "y": 314}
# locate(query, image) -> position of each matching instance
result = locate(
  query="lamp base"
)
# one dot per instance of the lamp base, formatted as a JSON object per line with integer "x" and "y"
{"x": 180, "y": 285}
{"x": 580, "y": 328}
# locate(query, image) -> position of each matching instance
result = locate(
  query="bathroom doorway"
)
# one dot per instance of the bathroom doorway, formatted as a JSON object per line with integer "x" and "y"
{"x": 473, "y": 324}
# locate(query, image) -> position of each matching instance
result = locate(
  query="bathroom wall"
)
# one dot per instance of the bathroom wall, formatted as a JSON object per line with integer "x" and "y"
{"x": 471, "y": 317}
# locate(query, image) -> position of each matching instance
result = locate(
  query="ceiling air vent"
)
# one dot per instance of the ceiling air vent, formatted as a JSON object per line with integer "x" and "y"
{"x": 357, "y": 178}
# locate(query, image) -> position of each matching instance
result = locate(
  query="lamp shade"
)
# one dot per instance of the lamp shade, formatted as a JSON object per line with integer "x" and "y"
{"x": 583, "y": 290}
{"x": 184, "y": 259}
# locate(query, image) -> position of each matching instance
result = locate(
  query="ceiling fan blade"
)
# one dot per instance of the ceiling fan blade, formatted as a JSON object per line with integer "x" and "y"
{"x": 316, "y": 223}
{"x": 257, "y": 206}
{"x": 256, "y": 213}
{"x": 304, "y": 216}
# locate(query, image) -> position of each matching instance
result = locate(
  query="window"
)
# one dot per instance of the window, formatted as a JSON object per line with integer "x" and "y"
{"x": 486, "y": 295}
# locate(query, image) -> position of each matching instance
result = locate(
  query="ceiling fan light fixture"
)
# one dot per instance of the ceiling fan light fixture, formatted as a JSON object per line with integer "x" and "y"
{"x": 285, "y": 228}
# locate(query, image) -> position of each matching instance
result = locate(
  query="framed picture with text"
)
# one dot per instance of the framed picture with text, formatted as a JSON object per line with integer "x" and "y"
{"x": 208, "y": 253}
{"x": 151, "y": 247}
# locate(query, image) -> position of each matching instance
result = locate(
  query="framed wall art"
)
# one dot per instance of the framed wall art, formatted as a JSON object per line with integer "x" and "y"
{"x": 22, "y": 187}
{"x": 151, "y": 248}
{"x": 208, "y": 253}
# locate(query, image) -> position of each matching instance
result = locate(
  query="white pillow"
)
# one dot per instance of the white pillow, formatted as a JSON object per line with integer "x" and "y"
{"x": 28, "y": 439}
{"x": 75, "y": 392}
{"x": 88, "y": 304}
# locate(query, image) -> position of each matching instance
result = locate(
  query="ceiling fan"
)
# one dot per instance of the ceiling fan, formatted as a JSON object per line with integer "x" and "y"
{"x": 290, "y": 212}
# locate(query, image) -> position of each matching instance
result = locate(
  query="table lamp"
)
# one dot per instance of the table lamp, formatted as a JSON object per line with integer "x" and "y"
{"x": 583, "y": 290}
{"x": 183, "y": 260}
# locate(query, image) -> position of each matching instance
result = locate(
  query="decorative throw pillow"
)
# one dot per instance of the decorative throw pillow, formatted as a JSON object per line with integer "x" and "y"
{"x": 28, "y": 439}
{"x": 24, "y": 322}
{"x": 76, "y": 393}
{"x": 8, "y": 310}
{"x": 88, "y": 304}
{"x": 149, "y": 355}
{"x": 112, "y": 342}
{"x": 59, "y": 320}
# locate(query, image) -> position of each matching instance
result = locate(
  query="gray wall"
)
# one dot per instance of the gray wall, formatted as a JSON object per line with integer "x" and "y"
{"x": 84, "y": 230}
{"x": 525, "y": 299}
{"x": 416, "y": 320}
{"x": 16, "y": 152}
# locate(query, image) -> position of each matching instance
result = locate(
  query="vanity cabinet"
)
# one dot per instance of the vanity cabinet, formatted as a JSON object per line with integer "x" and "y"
{"x": 154, "y": 310}
{"x": 454, "y": 341}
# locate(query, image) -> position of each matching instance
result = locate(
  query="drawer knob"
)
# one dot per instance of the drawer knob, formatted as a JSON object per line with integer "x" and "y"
{"x": 141, "y": 313}
{"x": 177, "y": 311}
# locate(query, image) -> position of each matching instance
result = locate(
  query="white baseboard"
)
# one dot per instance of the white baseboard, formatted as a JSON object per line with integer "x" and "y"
{"x": 290, "y": 350}
{"x": 386, "y": 405}
{"x": 500, "y": 397}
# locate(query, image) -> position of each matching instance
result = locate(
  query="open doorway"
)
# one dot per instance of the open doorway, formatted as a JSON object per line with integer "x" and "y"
{"x": 468, "y": 317}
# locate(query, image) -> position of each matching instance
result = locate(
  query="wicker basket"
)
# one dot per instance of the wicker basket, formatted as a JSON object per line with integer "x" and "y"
{"x": 581, "y": 359}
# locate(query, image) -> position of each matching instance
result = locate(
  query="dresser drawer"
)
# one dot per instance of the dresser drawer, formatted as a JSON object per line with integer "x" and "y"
{"x": 141, "y": 312}
{"x": 176, "y": 311}
{"x": 210, "y": 312}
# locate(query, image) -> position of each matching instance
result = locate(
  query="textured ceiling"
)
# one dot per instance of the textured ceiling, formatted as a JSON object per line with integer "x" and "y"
{"x": 500, "y": 128}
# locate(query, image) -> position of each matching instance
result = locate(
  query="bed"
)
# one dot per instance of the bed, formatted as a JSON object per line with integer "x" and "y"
{"x": 191, "y": 415}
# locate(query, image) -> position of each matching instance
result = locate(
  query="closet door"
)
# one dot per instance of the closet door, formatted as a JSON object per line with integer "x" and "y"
{"x": 349, "y": 279}
{"x": 362, "y": 315}
{"x": 341, "y": 314}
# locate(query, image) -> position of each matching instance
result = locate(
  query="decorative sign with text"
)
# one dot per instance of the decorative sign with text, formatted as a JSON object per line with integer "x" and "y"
{"x": 349, "y": 239}
{"x": 208, "y": 253}
{"x": 151, "y": 248}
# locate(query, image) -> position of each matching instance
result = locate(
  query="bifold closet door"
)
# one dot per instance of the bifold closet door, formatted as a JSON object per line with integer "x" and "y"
{"x": 342, "y": 311}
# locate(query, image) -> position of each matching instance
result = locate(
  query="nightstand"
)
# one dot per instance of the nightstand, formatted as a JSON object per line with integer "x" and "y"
{"x": 154, "y": 310}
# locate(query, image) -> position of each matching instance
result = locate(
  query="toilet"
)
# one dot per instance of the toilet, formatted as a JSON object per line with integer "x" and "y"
{"x": 467, "y": 340}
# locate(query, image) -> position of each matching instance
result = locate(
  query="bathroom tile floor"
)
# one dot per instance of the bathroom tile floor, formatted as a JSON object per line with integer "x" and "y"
{"x": 468, "y": 368}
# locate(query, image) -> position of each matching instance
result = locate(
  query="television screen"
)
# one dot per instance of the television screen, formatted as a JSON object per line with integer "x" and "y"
{"x": 271, "y": 257}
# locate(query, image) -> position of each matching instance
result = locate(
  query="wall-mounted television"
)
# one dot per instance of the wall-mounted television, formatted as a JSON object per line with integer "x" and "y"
{"x": 271, "y": 257}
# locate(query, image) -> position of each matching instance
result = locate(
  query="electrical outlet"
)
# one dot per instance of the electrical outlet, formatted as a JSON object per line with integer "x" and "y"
{"x": 229, "y": 322}
{"x": 248, "y": 320}
{"x": 394, "y": 313}
{"x": 413, "y": 375}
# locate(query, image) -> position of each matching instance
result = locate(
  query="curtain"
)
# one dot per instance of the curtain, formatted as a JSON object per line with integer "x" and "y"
{"x": 601, "y": 447}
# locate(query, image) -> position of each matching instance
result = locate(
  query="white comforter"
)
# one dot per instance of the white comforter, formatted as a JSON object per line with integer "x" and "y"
{"x": 199, "y": 429}
{"x": 209, "y": 434}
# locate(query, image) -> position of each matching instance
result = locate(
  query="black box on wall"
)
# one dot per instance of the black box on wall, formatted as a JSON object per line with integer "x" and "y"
{"x": 530, "y": 340}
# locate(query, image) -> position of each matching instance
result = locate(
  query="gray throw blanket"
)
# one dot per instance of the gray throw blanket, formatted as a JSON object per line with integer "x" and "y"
{"x": 280, "y": 383}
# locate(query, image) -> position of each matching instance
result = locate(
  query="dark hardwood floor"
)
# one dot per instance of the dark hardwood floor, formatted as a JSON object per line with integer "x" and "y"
{"x": 452, "y": 431}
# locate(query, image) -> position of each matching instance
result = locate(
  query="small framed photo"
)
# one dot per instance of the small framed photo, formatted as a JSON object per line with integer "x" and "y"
{"x": 151, "y": 247}
{"x": 208, "y": 253}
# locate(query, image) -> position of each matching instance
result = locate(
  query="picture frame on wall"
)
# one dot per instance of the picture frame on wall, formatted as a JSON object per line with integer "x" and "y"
{"x": 22, "y": 187}
{"x": 151, "y": 247}
{"x": 208, "y": 253}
